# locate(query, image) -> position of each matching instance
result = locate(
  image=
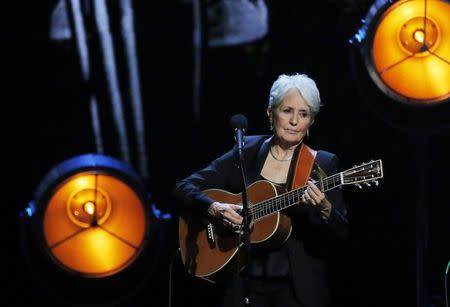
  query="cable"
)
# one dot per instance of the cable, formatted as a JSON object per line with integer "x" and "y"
{"x": 170, "y": 276}
{"x": 445, "y": 284}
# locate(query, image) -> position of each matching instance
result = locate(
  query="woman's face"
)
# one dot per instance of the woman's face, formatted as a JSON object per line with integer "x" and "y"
{"x": 291, "y": 119}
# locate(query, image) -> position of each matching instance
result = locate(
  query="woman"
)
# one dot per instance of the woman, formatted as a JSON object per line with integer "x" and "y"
{"x": 292, "y": 273}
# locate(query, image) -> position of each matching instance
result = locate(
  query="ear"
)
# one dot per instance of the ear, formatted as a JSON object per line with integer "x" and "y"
{"x": 269, "y": 112}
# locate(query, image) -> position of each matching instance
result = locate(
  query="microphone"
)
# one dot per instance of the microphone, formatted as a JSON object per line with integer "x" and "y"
{"x": 239, "y": 123}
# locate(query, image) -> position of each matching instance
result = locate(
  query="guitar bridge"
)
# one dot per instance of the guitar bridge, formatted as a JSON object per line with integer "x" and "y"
{"x": 210, "y": 235}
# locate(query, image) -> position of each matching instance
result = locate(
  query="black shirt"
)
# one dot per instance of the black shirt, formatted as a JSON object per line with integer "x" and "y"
{"x": 266, "y": 262}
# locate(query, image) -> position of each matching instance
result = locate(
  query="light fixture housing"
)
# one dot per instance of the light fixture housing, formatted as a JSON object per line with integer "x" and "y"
{"x": 87, "y": 228}
{"x": 400, "y": 64}
{"x": 406, "y": 49}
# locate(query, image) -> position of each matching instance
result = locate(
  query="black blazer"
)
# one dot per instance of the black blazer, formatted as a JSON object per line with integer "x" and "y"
{"x": 312, "y": 239}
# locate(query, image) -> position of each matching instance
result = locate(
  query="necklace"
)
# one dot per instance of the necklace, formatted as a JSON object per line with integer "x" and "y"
{"x": 281, "y": 160}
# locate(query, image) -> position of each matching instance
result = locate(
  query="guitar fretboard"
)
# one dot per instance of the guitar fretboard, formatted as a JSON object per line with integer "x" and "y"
{"x": 291, "y": 198}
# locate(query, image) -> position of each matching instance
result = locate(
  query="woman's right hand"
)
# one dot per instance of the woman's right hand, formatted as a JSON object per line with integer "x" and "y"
{"x": 227, "y": 213}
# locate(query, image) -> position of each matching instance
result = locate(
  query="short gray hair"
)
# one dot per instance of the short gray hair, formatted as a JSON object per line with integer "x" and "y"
{"x": 304, "y": 84}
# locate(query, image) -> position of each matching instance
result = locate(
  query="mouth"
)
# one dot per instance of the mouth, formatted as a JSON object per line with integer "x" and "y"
{"x": 291, "y": 131}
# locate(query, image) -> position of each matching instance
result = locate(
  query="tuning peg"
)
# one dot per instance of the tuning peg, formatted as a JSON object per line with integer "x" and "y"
{"x": 376, "y": 182}
{"x": 367, "y": 184}
{"x": 359, "y": 186}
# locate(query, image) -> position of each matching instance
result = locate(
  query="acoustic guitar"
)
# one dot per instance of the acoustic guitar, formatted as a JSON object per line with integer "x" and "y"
{"x": 210, "y": 251}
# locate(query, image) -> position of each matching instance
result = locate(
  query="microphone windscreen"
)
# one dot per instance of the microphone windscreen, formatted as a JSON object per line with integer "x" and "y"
{"x": 239, "y": 121}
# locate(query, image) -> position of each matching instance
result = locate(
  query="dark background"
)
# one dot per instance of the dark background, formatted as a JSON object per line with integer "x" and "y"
{"x": 51, "y": 123}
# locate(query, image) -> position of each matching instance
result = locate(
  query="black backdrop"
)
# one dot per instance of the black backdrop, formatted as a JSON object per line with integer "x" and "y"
{"x": 51, "y": 123}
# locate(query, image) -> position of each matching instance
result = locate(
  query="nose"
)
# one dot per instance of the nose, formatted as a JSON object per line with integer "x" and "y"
{"x": 293, "y": 120}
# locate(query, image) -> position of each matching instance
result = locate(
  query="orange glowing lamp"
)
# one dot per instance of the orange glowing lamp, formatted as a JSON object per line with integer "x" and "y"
{"x": 408, "y": 51}
{"x": 94, "y": 218}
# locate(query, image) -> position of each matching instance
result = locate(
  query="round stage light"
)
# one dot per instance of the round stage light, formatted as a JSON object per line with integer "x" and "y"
{"x": 91, "y": 216}
{"x": 86, "y": 234}
{"x": 90, "y": 235}
{"x": 94, "y": 224}
{"x": 406, "y": 49}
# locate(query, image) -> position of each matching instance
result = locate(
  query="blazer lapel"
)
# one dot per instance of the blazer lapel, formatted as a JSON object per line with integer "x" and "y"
{"x": 261, "y": 157}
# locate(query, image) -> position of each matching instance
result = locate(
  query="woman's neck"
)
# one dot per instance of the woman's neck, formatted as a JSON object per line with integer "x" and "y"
{"x": 280, "y": 146}
{"x": 282, "y": 151}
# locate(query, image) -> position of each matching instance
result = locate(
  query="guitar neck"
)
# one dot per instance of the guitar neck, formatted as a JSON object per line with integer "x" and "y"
{"x": 291, "y": 198}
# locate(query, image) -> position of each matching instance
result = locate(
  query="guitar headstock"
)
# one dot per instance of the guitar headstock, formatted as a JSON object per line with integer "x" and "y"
{"x": 365, "y": 173}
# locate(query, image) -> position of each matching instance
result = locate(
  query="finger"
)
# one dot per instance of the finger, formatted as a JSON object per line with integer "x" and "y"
{"x": 232, "y": 216}
{"x": 311, "y": 198}
{"x": 222, "y": 206}
{"x": 226, "y": 216}
{"x": 236, "y": 219}
{"x": 237, "y": 208}
{"x": 311, "y": 183}
{"x": 306, "y": 197}
{"x": 236, "y": 228}
{"x": 233, "y": 209}
{"x": 235, "y": 216}
{"x": 313, "y": 187}
{"x": 230, "y": 212}
{"x": 220, "y": 209}
{"x": 315, "y": 193}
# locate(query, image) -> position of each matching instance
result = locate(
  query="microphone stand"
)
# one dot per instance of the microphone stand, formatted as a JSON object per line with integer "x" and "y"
{"x": 245, "y": 227}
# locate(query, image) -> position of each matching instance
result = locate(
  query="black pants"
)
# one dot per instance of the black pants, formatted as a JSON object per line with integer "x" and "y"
{"x": 274, "y": 292}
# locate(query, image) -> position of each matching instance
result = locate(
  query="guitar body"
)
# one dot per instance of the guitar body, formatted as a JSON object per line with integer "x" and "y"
{"x": 210, "y": 251}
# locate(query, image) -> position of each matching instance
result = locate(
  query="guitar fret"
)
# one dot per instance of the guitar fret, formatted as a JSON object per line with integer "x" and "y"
{"x": 283, "y": 200}
{"x": 331, "y": 182}
{"x": 293, "y": 197}
{"x": 298, "y": 198}
{"x": 288, "y": 199}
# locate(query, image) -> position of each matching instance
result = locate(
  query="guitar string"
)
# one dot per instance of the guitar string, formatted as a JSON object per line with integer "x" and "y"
{"x": 267, "y": 207}
{"x": 262, "y": 207}
{"x": 270, "y": 204}
{"x": 278, "y": 203}
{"x": 292, "y": 197}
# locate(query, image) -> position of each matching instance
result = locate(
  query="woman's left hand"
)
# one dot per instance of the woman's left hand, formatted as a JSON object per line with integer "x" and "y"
{"x": 317, "y": 199}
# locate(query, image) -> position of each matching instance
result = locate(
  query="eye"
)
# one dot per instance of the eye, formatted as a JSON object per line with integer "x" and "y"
{"x": 304, "y": 114}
